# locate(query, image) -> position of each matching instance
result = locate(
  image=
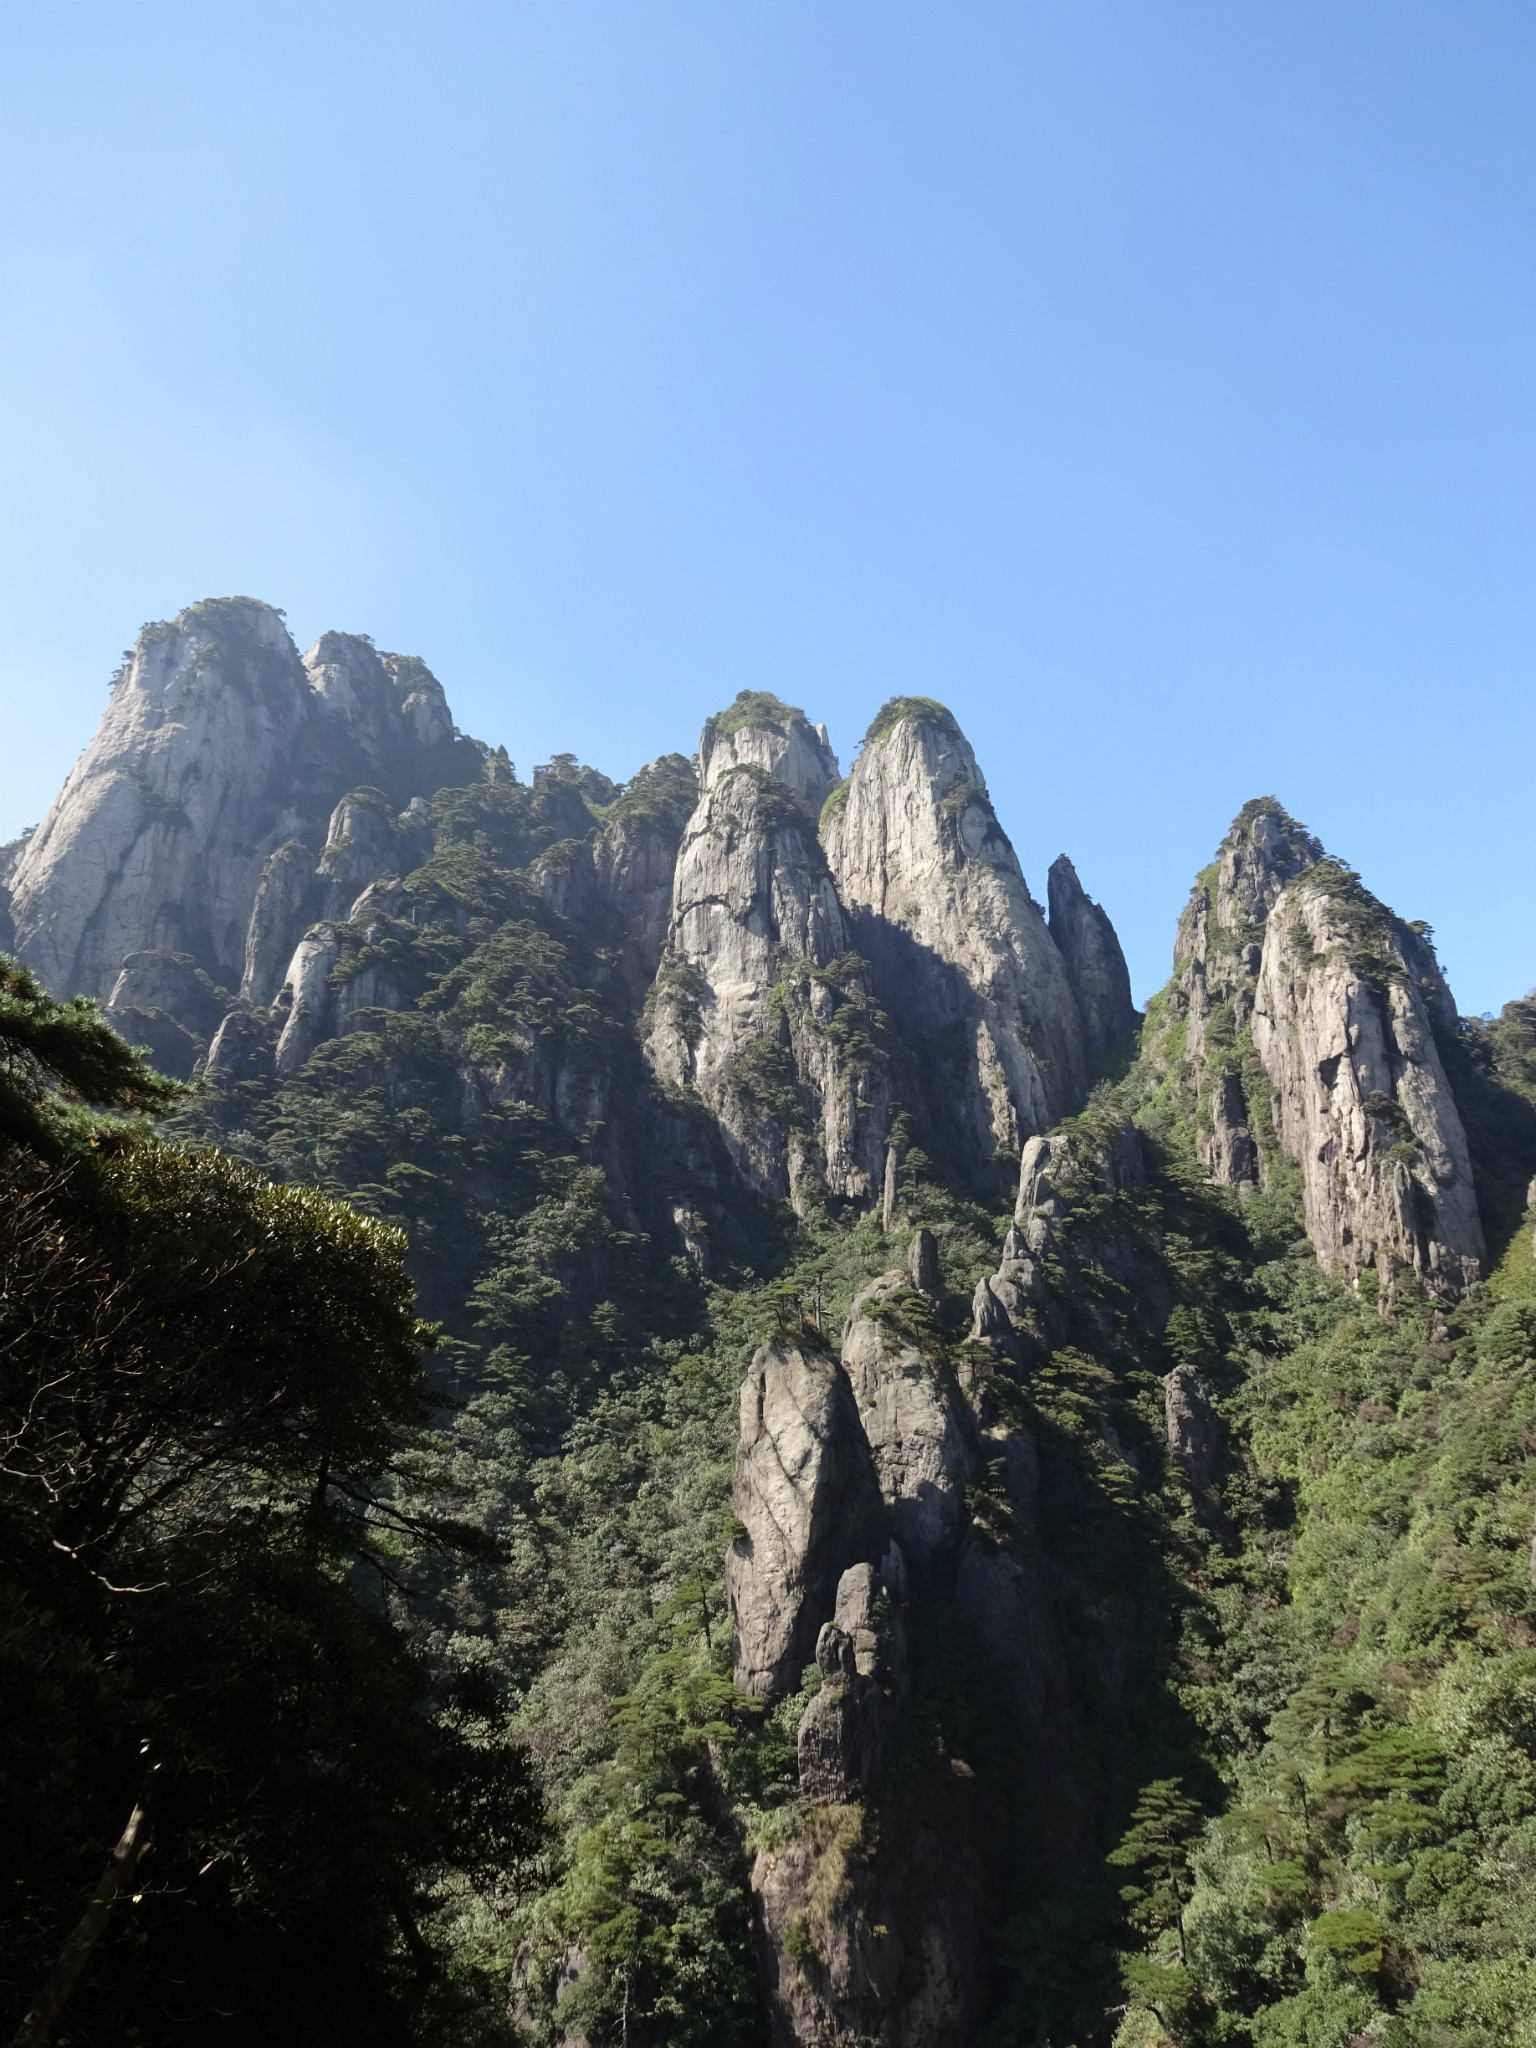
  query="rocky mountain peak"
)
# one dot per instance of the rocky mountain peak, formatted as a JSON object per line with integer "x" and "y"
{"x": 760, "y": 731}
{"x": 150, "y": 842}
{"x": 1344, "y": 1023}
{"x": 1095, "y": 965}
{"x": 1301, "y": 1024}
{"x": 219, "y": 746}
{"x": 1264, "y": 851}
{"x": 961, "y": 955}
{"x": 386, "y": 701}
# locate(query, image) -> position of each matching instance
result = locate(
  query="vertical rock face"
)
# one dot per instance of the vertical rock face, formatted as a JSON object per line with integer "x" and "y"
{"x": 1291, "y": 982}
{"x": 1095, "y": 965}
{"x": 754, "y": 974}
{"x": 311, "y": 1002}
{"x": 219, "y": 747}
{"x": 1342, "y": 1023}
{"x": 1194, "y": 1435}
{"x": 160, "y": 834}
{"x": 284, "y": 896}
{"x": 807, "y": 1497}
{"x": 392, "y": 704}
{"x": 921, "y": 1434}
{"x": 1216, "y": 963}
{"x": 636, "y": 858}
{"x": 850, "y": 1728}
{"x": 962, "y": 958}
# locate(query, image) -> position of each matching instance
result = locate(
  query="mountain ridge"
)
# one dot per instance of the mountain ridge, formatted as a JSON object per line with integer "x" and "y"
{"x": 747, "y": 1067}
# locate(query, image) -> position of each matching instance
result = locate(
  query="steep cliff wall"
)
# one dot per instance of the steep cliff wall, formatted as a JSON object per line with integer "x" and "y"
{"x": 962, "y": 958}
{"x": 1095, "y": 965}
{"x": 755, "y": 996}
{"x": 218, "y": 746}
{"x": 1344, "y": 1025}
{"x": 1300, "y": 1025}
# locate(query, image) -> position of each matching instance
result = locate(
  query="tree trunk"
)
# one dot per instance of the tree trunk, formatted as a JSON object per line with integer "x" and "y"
{"x": 43, "y": 2014}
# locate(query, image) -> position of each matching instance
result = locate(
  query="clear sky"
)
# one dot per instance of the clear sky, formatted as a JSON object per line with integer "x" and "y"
{"x": 1152, "y": 380}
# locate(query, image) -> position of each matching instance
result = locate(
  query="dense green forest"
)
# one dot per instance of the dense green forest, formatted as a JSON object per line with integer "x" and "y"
{"x": 410, "y": 1637}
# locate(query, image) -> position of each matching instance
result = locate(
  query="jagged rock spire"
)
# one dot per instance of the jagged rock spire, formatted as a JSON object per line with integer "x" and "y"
{"x": 1308, "y": 1014}
{"x": 1096, "y": 968}
{"x": 217, "y": 747}
{"x": 961, "y": 955}
{"x": 755, "y": 968}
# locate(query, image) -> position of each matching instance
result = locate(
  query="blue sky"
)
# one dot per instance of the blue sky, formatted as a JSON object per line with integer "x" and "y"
{"x": 1154, "y": 382}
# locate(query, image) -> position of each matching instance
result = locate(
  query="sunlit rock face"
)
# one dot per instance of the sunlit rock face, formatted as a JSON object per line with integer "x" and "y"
{"x": 962, "y": 959}
{"x": 756, "y": 973}
{"x": 1343, "y": 1022}
{"x": 219, "y": 747}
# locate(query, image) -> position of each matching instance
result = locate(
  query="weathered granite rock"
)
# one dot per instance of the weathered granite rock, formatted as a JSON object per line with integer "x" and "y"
{"x": 920, "y": 1430}
{"x": 392, "y": 703}
{"x": 963, "y": 962}
{"x": 1216, "y": 960}
{"x": 1343, "y": 1025}
{"x": 242, "y": 1046}
{"x": 1194, "y": 1435}
{"x": 635, "y": 860}
{"x": 287, "y": 897}
{"x": 1095, "y": 965}
{"x": 752, "y": 979}
{"x": 1101, "y": 1154}
{"x": 218, "y": 747}
{"x": 807, "y": 1495}
{"x": 307, "y": 997}
{"x": 923, "y": 1264}
{"x": 849, "y": 1729}
{"x": 165, "y": 1003}
{"x": 775, "y": 738}
{"x": 161, "y": 831}
{"x": 363, "y": 842}
{"x": 869, "y": 1934}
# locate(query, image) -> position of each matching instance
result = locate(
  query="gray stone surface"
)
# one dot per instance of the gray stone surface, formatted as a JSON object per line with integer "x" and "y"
{"x": 849, "y": 1730}
{"x": 740, "y": 1013}
{"x": 806, "y": 1492}
{"x": 920, "y": 1430}
{"x": 1195, "y": 1437}
{"x": 1095, "y": 965}
{"x": 962, "y": 958}
{"x": 1360, "y": 1098}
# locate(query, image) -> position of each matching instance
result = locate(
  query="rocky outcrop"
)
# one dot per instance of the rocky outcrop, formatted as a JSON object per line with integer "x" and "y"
{"x": 165, "y": 1003}
{"x": 849, "y": 1730}
{"x": 635, "y": 860}
{"x": 1300, "y": 1023}
{"x": 1344, "y": 1026}
{"x": 1099, "y": 1154}
{"x": 1195, "y": 1439}
{"x": 758, "y": 731}
{"x": 754, "y": 979}
{"x": 219, "y": 746}
{"x": 1198, "y": 1025}
{"x": 242, "y": 1047}
{"x": 285, "y": 898}
{"x": 921, "y": 1434}
{"x": 962, "y": 960}
{"x": 160, "y": 834}
{"x": 1095, "y": 965}
{"x": 307, "y": 998}
{"x": 870, "y": 1934}
{"x": 809, "y": 1503}
{"x": 391, "y": 704}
